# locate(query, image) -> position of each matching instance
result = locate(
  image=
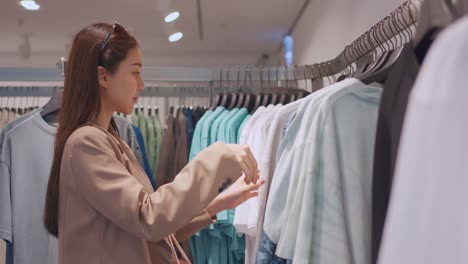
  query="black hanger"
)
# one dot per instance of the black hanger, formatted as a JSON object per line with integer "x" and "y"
{"x": 258, "y": 102}
{"x": 225, "y": 100}
{"x": 380, "y": 72}
{"x": 171, "y": 110}
{"x": 247, "y": 100}
{"x": 240, "y": 100}
{"x": 233, "y": 101}
{"x": 282, "y": 99}
{"x": 53, "y": 105}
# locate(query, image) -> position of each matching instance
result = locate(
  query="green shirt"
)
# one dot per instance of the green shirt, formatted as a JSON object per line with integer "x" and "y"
{"x": 159, "y": 133}
{"x": 151, "y": 135}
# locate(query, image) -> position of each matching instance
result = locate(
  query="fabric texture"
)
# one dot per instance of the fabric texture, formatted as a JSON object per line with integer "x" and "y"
{"x": 128, "y": 135}
{"x": 268, "y": 165}
{"x": 181, "y": 152}
{"x": 145, "y": 158}
{"x": 166, "y": 153}
{"x": 151, "y": 135}
{"x": 190, "y": 127}
{"x": 335, "y": 213}
{"x": 25, "y": 161}
{"x": 427, "y": 212}
{"x": 208, "y": 124}
{"x": 159, "y": 131}
{"x": 219, "y": 242}
{"x": 392, "y": 112}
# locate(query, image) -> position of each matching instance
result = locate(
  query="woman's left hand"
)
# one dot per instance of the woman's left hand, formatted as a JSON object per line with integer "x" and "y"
{"x": 235, "y": 195}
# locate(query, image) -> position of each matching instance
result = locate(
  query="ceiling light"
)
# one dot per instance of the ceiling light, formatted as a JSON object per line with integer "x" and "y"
{"x": 176, "y": 36}
{"x": 29, "y": 5}
{"x": 172, "y": 16}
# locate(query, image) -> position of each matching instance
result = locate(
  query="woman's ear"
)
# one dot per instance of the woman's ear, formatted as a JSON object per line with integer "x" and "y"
{"x": 103, "y": 77}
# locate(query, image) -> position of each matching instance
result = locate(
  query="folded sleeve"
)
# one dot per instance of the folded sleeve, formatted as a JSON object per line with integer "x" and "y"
{"x": 109, "y": 187}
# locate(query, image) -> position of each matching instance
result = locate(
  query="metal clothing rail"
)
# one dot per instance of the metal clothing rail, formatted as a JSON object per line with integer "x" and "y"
{"x": 48, "y": 88}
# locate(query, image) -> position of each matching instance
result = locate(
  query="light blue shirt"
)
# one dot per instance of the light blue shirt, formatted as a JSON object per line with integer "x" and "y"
{"x": 233, "y": 125}
{"x": 25, "y": 161}
{"x": 208, "y": 124}
{"x": 215, "y": 126}
{"x": 335, "y": 183}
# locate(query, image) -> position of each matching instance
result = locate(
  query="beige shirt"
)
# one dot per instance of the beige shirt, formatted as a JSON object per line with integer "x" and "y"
{"x": 108, "y": 211}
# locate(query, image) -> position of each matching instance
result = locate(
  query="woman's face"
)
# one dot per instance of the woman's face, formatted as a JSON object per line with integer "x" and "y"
{"x": 124, "y": 86}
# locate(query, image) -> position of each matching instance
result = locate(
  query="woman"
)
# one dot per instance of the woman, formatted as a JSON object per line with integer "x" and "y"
{"x": 100, "y": 204}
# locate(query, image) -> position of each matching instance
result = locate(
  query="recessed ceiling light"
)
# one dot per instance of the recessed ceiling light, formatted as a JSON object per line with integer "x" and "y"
{"x": 172, "y": 16}
{"x": 29, "y": 5}
{"x": 176, "y": 36}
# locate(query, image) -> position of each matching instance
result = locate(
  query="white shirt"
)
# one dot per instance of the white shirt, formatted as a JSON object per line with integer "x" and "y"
{"x": 247, "y": 213}
{"x": 267, "y": 168}
{"x": 427, "y": 221}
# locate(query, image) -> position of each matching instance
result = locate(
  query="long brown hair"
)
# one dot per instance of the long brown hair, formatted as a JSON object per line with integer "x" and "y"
{"x": 81, "y": 97}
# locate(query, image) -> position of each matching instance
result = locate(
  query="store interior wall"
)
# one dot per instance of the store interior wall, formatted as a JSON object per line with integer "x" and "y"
{"x": 327, "y": 26}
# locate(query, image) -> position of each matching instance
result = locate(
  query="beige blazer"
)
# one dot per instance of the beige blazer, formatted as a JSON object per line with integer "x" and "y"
{"x": 108, "y": 212}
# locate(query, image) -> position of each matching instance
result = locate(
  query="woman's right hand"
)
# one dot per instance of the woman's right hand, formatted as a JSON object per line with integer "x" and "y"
{"x": 247, "y": 162}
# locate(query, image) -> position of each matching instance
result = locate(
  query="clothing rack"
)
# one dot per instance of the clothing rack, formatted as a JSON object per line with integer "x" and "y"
{"x": 165, "y": 81}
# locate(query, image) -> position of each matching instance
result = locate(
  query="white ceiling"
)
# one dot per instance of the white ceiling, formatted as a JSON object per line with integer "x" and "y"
{"x": 235, "y": 32}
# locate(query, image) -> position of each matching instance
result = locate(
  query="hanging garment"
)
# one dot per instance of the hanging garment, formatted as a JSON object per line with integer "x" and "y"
{"x": 392, "y": 111}
{"x": 124, "y": 238}
{"x": 190, "y": 128}
{"x": 247, "y": 129}
{"x": 197, "y": 137}
{"x": 181, "y": 154}
{"x": 152, "y": 144}
{"x": 127, "y": 133}
{"x": 215, "y": 126}
{"x": 25, "y": 161}
{"x": 166, "y": 153}
{"x": 427, "y": 216}
{"x": 28, "y": 240}
{"x": 304, "y": 147}
{"x": 136, "y": 119}
{"x": 159, "y": 131}
{"x": 338, "y": 192}
{"x": 224, "y": 123}
{"x": 276, "y": 204}
{"x": 143, "y": 127}
{"x": 145, "y": 157}
{"x": 233, "y": 125}
{"x": 208, "y": 124}
{"x": 7, "y": 127}
{"x": 218, "y": 243}
{"x": 241, "y": 127}
{"x": 247, "y": 213}
{"x": 269, "y": 163}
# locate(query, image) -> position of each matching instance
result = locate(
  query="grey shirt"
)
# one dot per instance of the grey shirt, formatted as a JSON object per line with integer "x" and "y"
{"x": 25, "y": 161}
